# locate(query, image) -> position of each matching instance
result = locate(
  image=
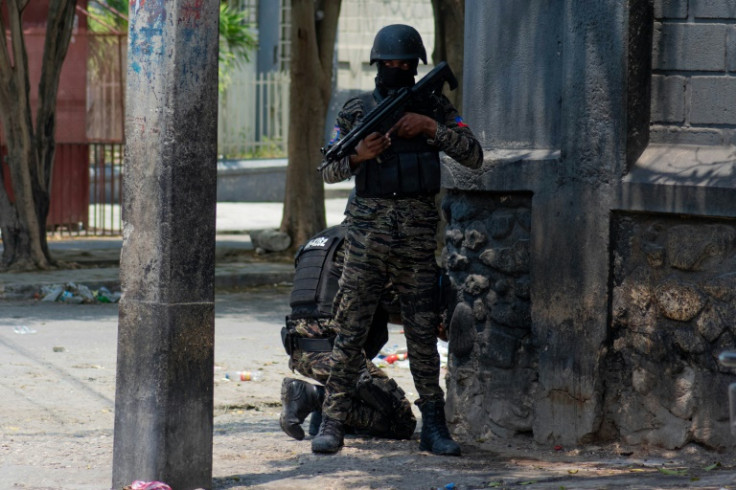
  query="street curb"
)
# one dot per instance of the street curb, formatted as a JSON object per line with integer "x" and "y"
{"x": 264, "y": 275}
{"x": 253, "y": 279}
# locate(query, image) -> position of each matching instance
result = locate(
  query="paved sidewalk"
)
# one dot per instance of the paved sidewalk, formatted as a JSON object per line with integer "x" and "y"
{"x": 234, "y": 223}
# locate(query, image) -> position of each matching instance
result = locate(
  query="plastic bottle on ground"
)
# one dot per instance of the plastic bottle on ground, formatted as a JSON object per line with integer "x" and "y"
{"x": 244, "y": 376}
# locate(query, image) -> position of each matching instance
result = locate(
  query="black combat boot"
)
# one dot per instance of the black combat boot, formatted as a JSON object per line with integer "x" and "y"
{"x": 315, "y": 420}
{"x": 331, "y": 436}
{"x": 298, "y": 399}
{"x": 435, "y": 437}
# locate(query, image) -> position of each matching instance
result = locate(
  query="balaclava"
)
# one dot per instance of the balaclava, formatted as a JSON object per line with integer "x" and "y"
{"x": 392, "y": 79}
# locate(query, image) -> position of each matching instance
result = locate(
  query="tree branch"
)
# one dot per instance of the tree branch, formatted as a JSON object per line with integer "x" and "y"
{"x": 58, "y": 34}
{"x": 5, "y": 66}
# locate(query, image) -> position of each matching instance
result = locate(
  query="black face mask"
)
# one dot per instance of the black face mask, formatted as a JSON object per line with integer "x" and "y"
{"x": 394, "y": 78}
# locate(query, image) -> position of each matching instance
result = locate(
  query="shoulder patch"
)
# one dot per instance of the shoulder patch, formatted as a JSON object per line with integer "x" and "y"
{"x": 335, "y": 135}
{"x": 460, "y": 123}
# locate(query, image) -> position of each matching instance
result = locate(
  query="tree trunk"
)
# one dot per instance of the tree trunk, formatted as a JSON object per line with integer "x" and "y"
{"x": 313, "y": 33}
{"x": 449, "y": 33}
{"x": 30, "y": 151}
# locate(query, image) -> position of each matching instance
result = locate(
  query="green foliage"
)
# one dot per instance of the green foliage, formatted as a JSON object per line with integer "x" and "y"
{"x": 236, "y": 41}
{"x": 266, "y": 148}
{"x": 106, "y": 14}
{"x": 237, "y": 36}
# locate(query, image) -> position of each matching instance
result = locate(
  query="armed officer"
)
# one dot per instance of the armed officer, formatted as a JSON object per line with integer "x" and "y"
{"x": 379, "y": 407}
{"x": 391, "y": 234}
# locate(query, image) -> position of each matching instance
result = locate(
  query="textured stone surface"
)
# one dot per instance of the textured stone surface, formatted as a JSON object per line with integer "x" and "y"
{"x": 602, "y": 333}
{"x": 490, "y": 326}
{"x": 270, "y": 240}
{"x": 671, "y": 320}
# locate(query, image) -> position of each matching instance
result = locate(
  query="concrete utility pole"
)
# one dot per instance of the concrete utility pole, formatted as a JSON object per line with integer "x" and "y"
{"x": 164, "y": 397}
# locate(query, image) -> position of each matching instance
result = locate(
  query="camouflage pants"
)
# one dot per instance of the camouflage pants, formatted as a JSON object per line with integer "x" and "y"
{"x": 386, "y": 240}
{"x": 392, "y": 417}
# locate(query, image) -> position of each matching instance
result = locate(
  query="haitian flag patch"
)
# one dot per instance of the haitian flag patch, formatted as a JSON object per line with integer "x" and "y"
{"x": 460, "y": 123}
{"x": 335, "y": 135}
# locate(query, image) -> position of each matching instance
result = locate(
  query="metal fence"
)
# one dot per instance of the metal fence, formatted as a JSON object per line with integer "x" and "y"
{"x": 105, "y": 189}
{"x": 253, "y": 122}
{"x": 253, "y": 117}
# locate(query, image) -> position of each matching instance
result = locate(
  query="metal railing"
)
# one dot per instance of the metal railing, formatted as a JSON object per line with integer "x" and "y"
{"x": 105, "y": 188}
{"x": 254, "y": 116}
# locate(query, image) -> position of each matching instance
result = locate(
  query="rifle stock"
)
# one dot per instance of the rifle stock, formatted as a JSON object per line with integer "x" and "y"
{"x": 389, "y": 107}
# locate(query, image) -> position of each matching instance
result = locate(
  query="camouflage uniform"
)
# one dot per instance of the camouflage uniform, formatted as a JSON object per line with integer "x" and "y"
{"x": 390, "y": 239}
{"x": 379, "y": 407}
{"x": 382, "y": 421}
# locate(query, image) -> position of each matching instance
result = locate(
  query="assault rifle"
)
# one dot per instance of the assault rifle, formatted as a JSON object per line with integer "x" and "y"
{"x": 390, "y": 108}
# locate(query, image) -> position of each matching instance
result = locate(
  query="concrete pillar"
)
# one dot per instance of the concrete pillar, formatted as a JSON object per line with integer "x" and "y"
{"x": 164, "y": 387}
{"x": 553, "y": 93}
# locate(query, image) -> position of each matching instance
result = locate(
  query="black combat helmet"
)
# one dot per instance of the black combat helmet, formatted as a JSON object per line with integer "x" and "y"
{"x": 398, "y": 42}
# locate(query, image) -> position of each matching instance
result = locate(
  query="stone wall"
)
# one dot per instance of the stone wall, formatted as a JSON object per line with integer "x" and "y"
{"x": 490, "y": 345}
{"x": 610, "y": 129}
{"x": 673, "y": 304}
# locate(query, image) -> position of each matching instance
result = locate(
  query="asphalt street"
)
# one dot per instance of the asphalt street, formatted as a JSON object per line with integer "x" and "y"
{"x": 57, "y": 386}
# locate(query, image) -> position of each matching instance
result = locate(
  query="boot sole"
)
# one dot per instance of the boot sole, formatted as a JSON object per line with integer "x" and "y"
{"x": 326, "y": 450}
{"x": 423, "y": 447}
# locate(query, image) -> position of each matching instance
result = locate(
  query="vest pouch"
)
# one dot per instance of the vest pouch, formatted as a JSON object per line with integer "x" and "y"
{"x": 411, "y": 173}
{"x": 309, "y": 270}
{"x": 389, "y": 178}
{"x": 430, "y": 172}
{"x": 328, "y": 291}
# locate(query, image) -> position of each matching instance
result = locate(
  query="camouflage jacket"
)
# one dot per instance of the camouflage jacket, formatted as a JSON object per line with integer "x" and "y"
{"x": 453, "y": 137}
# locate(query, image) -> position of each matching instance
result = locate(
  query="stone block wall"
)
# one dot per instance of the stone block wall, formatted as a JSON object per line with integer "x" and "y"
{"x": 487, "y": 258}
{"x": 631, "y": 247}
{"x": 694, "y": 72}
{"x": 673, "y": 304}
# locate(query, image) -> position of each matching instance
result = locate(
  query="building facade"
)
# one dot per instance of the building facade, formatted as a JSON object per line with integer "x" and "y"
{"x": 594, "y": 254}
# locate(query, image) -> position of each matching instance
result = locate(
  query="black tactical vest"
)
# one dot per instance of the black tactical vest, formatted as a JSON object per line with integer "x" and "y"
{"x": 409, "y": 168}
{"x": 316, "y": 275}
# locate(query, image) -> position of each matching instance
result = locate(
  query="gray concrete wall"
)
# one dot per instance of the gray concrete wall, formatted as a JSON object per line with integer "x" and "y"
{"x": 570, "y": 100}
{"x": 519, "y": 74}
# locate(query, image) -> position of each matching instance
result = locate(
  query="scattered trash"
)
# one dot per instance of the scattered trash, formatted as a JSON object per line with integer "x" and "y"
{"x": 68, "y": 297}
{"x": 673, "y": 472}
{"x": 244, "y": 376}
{"x": 103, "y": 295}
{"x": 558, "y": 448}
{"x": 23, "y": 330}
{"x": 392, "y": 358}
{"x": 147, "y": 485}
{"x": 51, "y": 293}
{"x": 78, "y": 293}
{"x": 59, "y": 349}
{"x": 387, "y": 351}
{"x": 402, "y": 364}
